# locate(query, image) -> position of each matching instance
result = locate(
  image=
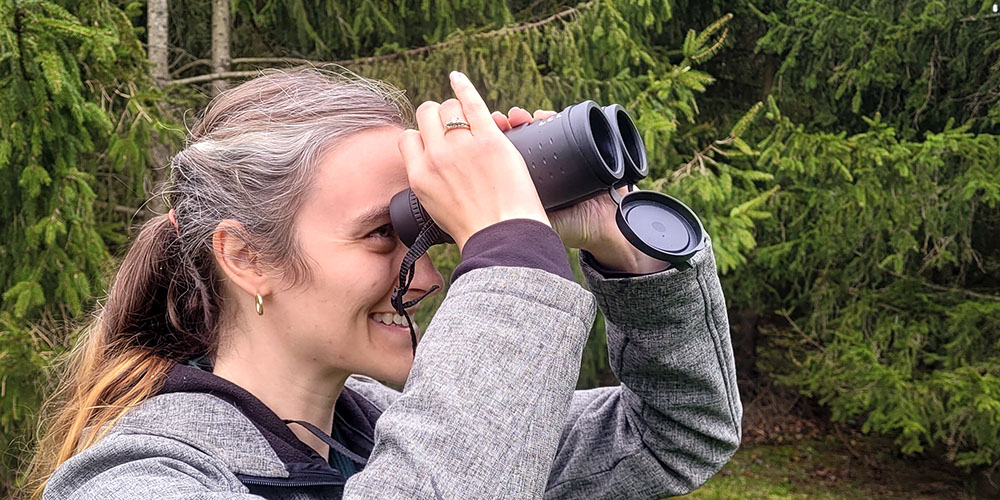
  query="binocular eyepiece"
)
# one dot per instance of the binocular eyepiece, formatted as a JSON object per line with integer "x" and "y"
{"x": 581, "y": 152}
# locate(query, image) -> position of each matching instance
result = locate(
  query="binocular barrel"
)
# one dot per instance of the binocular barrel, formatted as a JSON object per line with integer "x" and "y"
{"x": 633, "y": 149}
{"x": 574, "y": 155}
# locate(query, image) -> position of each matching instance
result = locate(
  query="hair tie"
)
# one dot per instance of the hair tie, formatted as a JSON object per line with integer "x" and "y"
{"x": 173, "y": 220}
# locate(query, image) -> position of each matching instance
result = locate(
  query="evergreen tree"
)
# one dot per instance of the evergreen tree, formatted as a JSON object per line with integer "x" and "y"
{"x": 918, "y": 64}
{"x": 843, "y": 156}
{"x": 877, "y": 262}
{"x": 75, "y": 115}
{"x": 881, "y": 259}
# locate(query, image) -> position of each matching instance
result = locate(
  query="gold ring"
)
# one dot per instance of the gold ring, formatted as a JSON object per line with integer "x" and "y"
{"x": 456, "y": 122}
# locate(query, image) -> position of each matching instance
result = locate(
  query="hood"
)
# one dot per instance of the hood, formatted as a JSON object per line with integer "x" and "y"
{"x": 224, "y": 420}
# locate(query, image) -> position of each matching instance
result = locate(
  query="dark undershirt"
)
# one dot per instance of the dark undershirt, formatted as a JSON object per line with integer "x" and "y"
{"x": 523, "y": 243}
{"x": 515, "y": 243}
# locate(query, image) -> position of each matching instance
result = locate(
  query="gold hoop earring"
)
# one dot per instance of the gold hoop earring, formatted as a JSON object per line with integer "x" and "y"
{"x": 260, "y": 305}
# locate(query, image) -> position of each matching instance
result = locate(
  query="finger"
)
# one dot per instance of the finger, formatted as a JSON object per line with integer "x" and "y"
{"x": 476, "y": 111}
{"x": 411, "y": 147}
{"x": 501, "y": 121}
{"x": 518, "y": 116}
{"x": 429, "y": 123}
{"x": 541, "y": 114}
{"x": 450, "y": 110}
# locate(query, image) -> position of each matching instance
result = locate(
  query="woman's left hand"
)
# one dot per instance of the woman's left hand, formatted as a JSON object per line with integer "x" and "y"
{"x": 589, "y": 225}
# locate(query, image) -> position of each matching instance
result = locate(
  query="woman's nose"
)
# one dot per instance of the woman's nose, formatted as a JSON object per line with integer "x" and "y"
{"x": 425, "y": 277}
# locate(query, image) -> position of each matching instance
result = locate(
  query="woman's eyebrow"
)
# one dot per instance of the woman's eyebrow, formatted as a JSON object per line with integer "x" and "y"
{"x": 372, "y": 215}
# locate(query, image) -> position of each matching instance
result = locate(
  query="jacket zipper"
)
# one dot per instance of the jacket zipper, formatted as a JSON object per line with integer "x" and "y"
{"x": 287, "y": 482}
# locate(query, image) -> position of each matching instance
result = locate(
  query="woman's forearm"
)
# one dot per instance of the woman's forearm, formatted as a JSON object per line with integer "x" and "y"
{"x": 675, "y": 420}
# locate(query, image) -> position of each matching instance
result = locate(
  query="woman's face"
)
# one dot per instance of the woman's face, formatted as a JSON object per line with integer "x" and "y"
{"x": 337, "y": 317}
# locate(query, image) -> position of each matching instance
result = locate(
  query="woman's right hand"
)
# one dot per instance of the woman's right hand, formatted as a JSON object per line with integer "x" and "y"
{"x": 467, "y": 179}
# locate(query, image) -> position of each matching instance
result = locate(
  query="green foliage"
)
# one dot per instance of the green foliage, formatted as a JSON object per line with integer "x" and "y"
{"x": 817, "y": 141}
{"x": 356, "y": 27}
{"x": 881, "y": 258}
{"x": 877, "y": 260}
{"x": 76, "y": 123}
{"x": 919, "y": 64}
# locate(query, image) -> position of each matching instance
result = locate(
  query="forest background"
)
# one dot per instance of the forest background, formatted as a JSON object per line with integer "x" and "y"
{"x": 844, "y": 155}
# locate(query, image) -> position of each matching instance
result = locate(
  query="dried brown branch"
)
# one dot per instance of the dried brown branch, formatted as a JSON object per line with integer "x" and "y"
{"x": 932, "y": 286}
{"x": 970, "y": 19}
{"x": 365, "y": 60}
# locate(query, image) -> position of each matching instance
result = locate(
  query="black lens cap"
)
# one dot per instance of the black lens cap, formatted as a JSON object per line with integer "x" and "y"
{"x": 660, "y": 226}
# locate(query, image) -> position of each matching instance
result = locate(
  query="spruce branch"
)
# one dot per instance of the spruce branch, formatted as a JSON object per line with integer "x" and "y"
{"x": 940, "y": 288}
{"x": 710, "y": 51}
{"x": 258, "y": 60}
{"x": 117, "y": 207}
{"x": 700, "y": 157}
{"x": 930, "y": 85}
{"x": 787, "y": 314}
{"x": 971, "y": 19}
{"x": 303, "y": 63}
{"x": 229, "y": 74}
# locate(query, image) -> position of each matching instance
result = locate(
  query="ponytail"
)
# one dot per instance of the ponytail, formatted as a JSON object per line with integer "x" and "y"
{"x": 162, "y": 308}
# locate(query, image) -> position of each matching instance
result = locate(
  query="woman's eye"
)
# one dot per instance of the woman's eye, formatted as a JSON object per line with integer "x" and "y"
{"x": 384, "y": 231}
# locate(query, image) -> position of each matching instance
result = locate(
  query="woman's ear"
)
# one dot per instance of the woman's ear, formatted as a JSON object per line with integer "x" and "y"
{"x": 237, "y": 259}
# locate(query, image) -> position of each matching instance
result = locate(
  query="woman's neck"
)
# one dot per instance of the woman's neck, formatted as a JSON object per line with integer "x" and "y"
{"x": 294, "y": 389}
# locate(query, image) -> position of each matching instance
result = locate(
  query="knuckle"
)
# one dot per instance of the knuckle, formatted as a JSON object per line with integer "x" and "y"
{"x": 493, "y": 146}
{"x": 427, "y": 106}
{"x": 406, "y": 139}
{"x": 477, "y": 107}
{"x": 434, "y": 156}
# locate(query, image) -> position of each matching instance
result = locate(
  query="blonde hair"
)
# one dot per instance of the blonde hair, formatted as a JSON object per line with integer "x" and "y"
{"x": 250, "y": 159}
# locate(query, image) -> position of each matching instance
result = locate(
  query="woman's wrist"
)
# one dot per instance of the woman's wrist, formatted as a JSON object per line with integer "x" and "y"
{"x": 615, "y": 253}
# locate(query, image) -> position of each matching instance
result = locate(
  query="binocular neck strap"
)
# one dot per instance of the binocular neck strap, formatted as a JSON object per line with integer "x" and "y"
{"x": 332, "y": 443}
{"x": 430, "y": 234}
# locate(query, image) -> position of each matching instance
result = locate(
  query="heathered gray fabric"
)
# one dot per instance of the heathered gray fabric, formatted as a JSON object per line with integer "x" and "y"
{"x": 170, "y": 416}
{"x": 489, "y": 409}
{"x": 675, "y": 420}
{"x": 484, "y": 418}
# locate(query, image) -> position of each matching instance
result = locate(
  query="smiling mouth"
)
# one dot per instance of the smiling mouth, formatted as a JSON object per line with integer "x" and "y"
{"x": 390, "y": 319}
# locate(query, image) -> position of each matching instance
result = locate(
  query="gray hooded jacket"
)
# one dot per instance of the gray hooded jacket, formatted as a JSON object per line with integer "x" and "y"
{"x": 488, "y": 410}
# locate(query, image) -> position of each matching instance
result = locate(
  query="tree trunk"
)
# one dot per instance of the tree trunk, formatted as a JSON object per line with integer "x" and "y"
{"x": 220, "y": 43}
{"x": 156, "y": 46}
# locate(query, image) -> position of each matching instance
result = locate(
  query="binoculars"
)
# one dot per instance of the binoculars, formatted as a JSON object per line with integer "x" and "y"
{"x": 579, "y": 153}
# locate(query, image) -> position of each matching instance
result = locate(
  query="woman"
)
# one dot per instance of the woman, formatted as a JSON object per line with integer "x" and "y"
{"x": 237, "y": 352}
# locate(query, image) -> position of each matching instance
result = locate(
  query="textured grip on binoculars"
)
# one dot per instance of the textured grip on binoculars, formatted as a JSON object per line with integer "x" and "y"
{"x": 408, "y": 216}
{"x": 571, "y": 156}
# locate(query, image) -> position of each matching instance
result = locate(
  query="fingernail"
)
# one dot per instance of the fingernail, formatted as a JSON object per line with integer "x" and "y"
{"x": 457, "y": 76}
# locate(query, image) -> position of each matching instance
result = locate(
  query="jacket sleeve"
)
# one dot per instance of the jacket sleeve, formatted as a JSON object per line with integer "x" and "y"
{"x": 482, "y": 411}
{"x": 134, "y": 466}
{"x": 675, "y": 419}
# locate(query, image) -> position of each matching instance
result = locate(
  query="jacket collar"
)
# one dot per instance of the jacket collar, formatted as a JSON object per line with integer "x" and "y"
{"x": 354, "y": 417}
